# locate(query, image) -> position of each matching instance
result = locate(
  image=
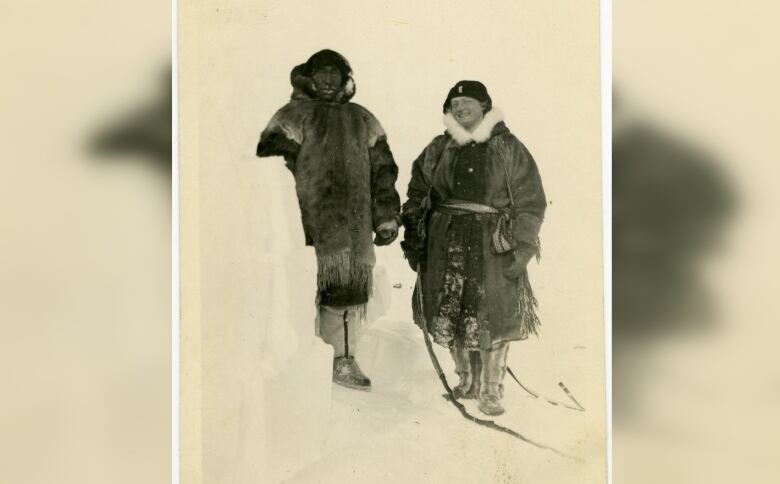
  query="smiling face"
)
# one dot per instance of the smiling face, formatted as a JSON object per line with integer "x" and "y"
{"x": 468, "y": 112}
{"x": 327, "y": 81}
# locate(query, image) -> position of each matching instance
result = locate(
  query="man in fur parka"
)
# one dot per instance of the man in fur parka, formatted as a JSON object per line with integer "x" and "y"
{"x": 345, "y": 181}
{"x": 471, "y": 225}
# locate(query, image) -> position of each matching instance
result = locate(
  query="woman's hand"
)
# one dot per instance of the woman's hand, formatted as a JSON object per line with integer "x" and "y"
{"x": 412, "y": 254}
{"x": 521, "y": 256}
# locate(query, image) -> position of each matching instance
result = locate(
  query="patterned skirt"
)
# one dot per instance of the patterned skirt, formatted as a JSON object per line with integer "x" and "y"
{"x": 460, "y": 316}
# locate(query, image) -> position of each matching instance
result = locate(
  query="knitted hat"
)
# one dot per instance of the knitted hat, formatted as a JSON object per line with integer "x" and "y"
{"x": 327, "y": 58}
{"x": 473, "y": 89}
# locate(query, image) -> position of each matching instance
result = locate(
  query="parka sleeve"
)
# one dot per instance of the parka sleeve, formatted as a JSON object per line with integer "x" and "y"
{"x": 282, "y": 137}
{"x": 529, "y": 199}
{"x": 385, "y": 202}
{"x": 413, "y": 210}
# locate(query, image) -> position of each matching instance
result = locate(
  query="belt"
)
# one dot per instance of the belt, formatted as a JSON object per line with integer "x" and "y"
{"x": 454, "y": 206}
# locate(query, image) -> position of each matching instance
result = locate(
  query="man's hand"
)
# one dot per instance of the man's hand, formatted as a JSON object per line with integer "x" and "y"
{"x": 386, "y": 233}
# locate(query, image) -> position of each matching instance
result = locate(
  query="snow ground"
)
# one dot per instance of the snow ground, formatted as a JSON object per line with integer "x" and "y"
{"x": 264, "y": 408}
{"x": 404, "y": 431}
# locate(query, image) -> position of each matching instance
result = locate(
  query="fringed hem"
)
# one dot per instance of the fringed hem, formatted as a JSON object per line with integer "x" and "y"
{"x": 526, "y": 307}
{"x": 447, "y": 332}
{"x": 341, "y": 270}
{"x": 525, "y": 310}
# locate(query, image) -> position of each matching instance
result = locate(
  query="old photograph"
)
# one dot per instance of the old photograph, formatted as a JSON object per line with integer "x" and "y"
{"x": 391, "y": 242}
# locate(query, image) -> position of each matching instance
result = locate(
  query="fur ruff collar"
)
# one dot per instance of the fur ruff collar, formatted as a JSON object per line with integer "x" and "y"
{"x": 304, "y": 90}
{"x": 479, "y": 135}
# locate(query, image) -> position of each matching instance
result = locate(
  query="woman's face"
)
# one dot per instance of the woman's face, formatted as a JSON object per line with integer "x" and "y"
{"x": 467, "y": 111}
{"x": 327, "y": 81}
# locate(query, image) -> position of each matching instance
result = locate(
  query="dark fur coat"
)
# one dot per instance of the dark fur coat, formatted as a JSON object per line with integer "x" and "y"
{"x": 510, "y": 304}
{"x": 344, "y": 177}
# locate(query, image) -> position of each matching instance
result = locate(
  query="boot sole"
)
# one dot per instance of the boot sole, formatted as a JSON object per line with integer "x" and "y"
{"x": 353, "y": 387}
{"x": 458, "y": 397}
{"x": 492, "y": 413}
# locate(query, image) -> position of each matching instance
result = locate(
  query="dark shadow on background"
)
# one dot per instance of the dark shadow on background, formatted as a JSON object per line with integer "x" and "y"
{"x": 144, "y": 130}
{"x": 670, "y": 208}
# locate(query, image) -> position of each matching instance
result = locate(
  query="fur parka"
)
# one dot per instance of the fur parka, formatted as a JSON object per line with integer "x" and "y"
{"x": 344, "y": 177}
{"x": 509, "y": 166}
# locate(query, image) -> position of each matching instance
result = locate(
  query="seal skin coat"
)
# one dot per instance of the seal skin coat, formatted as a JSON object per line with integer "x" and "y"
{"x": 344, "y": 178}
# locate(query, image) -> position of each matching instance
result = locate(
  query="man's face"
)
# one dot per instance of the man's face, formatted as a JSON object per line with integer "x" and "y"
{"x": 467, "y": 111}
{"x": 327, "y": 81}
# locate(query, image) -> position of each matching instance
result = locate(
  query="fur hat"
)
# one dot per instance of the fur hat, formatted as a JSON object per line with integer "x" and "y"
{"x": 473, "y": 89}
{"x": 328, "y": 57}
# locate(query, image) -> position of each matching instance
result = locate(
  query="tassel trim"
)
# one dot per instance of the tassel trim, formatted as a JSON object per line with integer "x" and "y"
{"x": 342, "y": 271}
{"x": 526, "y": 306}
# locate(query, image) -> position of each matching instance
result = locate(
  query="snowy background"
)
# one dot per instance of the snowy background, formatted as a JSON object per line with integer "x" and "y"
{"x": 257, "y": 403}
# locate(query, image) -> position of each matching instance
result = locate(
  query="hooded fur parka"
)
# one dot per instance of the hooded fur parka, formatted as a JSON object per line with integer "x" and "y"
{"x": 344, "y": 177}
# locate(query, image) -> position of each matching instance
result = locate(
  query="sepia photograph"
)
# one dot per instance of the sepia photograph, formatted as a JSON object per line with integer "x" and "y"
{"x": 265, "y": 241}
{"x": 391, "y": 242}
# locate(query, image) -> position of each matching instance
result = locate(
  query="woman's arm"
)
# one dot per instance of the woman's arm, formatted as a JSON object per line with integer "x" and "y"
{"x": 530, "y": 204}
{"x": 413, "y": 211}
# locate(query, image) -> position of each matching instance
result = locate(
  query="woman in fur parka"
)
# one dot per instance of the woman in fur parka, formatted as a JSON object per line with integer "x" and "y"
{"x": 471, "y": 225}
{"x": 345, "y": 181}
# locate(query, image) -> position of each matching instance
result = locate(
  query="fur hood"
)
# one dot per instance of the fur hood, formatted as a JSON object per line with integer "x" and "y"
{"x": 483, "y": 132}
{"x": 303, "y": 87}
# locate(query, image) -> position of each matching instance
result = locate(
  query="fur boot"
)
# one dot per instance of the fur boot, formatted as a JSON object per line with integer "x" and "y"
{"x": 463, "y": 368}
{"x": 468, "y": 367}
{"x": 339, "y": 327}
{"x": 331, "y": 327}
{"x": 347, "y": 373}
{"x": 493, "y": 370}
